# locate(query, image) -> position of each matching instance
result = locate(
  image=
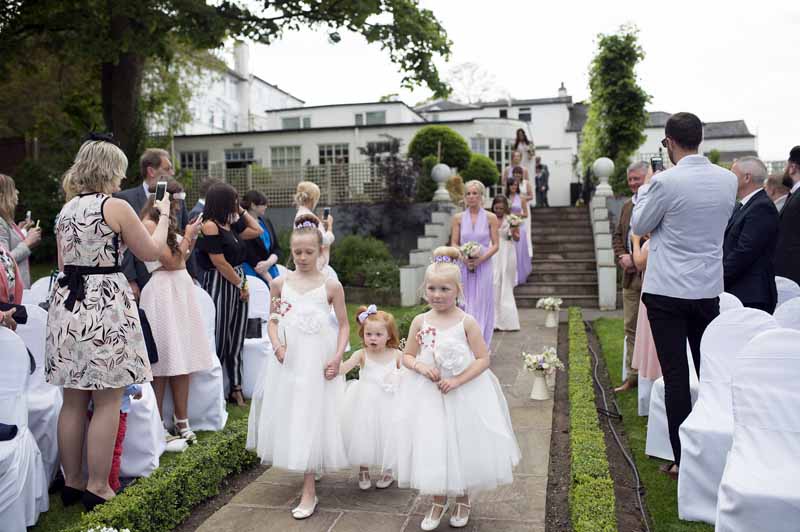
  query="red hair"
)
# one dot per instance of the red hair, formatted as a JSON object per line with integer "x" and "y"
{"x": 386, "y": 319}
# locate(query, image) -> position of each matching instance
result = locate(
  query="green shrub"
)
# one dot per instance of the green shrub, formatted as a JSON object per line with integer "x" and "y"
{"x": 482, "y": 168}
{"x": 163, "y": 500}
{"x": 455, "y": 150}
{"x": 592, "y": 490}
{"x": 40, "y": 192}
{"x": 381, "y": 275}
{"x": 284, "y": 241}
{"x": 426, "y": 186}
{"x": 365, "y": 262}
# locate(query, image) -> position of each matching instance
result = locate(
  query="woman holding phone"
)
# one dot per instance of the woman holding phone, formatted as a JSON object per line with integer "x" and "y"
{"x": 21, "y": 238}
{"x": 306, "y": 198}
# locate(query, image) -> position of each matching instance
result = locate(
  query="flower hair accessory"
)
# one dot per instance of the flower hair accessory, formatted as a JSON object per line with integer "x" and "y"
{"x": 305, "y": 224}
{"x": 372, "y": 309}
{"x": 445, "y": 258}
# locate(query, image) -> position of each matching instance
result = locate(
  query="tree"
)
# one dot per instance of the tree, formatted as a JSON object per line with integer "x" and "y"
{"x": 472, "y": 83}
{"x": 118, "y": 38}
{"x": 482, "y": 168}
{"x": 455, "y": 150}
{"x": 617, "y": 116}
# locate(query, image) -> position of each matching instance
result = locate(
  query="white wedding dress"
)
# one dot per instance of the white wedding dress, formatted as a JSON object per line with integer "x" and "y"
{"x": 506, "y": 317}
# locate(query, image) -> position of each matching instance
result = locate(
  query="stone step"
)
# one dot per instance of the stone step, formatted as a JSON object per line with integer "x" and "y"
{"x": 572, "y": 265}
{"x": 419, "y": 257}
{"x": 583, "y": 237}
{"x": 525, "y": 301}
{"x": 539, "y": 254}
{"x": 561, "y": 227}
{"x": 439, "y": 217}
{"x": 555, "y": 276}
{"x": 567, "y": 218}
{"x": 427, "y": 242}
{"x": 557, "y": 289}
{"x": 434, "y": 229}
{"x": 559, "y": 246}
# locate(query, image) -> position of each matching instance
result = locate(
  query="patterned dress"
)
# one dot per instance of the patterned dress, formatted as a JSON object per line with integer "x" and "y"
{"x": 94, "y": 338}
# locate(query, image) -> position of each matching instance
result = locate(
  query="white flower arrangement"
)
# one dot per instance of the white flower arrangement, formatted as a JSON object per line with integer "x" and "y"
{"x": 549, "y": 303}
{"x": 470, "y": 250}
{"x": 107, "y": 529}
{"x": 545, "y": 362}
{"x": 515, "y": 220}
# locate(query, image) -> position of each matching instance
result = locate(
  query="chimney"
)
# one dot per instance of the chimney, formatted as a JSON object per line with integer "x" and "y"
{"x": 241, "y": 58}
{"x": 562, "y": 91}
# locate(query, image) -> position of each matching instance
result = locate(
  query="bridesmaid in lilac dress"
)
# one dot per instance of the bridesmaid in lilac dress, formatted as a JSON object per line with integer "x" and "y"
{"x": 520, "y": 208}
{"x": 476, "y": 224}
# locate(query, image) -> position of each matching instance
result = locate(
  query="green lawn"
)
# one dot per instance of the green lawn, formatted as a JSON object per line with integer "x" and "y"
{"x": 661, "y": 493}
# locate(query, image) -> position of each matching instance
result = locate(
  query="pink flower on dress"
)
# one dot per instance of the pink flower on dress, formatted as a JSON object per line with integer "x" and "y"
{"x": 427, "y": 337}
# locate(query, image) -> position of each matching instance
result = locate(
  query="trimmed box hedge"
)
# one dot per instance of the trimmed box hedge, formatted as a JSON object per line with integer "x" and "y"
{"x": 591, "y": 494}
{"x": 160, "y": 502}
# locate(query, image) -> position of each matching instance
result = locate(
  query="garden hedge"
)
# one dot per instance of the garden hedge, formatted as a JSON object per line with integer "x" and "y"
{"x": 163, "y": 500}
{"x": 483, "y": 169}
{"x": 591, "y": 494}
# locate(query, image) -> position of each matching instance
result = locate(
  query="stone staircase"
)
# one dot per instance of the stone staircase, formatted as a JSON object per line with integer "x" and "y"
{"x": 437, "y": 233}
{"x": 563, "y": 259}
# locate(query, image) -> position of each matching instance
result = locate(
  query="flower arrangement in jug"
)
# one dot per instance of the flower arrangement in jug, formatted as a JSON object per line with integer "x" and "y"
{"x": 549, "y": 303}
{"x": 470, "y": 250}
{"x": 545, "y": 362}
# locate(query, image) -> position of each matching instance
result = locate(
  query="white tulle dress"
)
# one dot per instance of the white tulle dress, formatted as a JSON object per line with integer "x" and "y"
{"x": 456, "y": 443}
{"x": 367, "y": 419}
{"x": 504, "y": 270}
{"x": 297, "y": 427}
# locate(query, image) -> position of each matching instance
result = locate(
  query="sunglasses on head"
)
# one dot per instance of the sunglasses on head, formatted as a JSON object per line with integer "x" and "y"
{"x": 664, "y": 141}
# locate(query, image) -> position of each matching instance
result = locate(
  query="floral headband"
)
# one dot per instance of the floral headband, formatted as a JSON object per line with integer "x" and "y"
{"x": 305, "y": 224}
{"x": 445, "y": 258}
{"x": 372, "y": 309}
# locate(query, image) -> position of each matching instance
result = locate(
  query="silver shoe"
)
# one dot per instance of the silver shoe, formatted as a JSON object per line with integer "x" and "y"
{"x": 304, "y": 513}
{"x": 429, "y": 523}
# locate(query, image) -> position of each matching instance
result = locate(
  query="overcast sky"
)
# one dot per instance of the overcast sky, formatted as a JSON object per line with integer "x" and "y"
{"x": 713, "y": 58}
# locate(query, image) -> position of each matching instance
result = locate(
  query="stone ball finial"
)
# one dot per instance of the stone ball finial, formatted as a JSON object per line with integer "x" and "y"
{"x": 441, "y": 173}
{"x": 603, "y": 167}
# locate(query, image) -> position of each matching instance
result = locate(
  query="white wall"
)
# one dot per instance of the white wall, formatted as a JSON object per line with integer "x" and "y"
{"x": 655, "y": 134}
{"x": 344, "y": 115}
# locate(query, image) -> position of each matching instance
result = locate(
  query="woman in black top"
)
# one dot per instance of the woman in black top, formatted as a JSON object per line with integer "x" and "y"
{"x": 221, "y": 253}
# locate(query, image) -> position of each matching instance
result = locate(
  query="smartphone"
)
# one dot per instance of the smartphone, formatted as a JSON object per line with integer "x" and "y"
{"x": 161, "y": 189}
{"x": 37, "y": 224}
{"x": 657, "y": 164}
{"x": 28, "y": 216}
{"x": 326, "y": 212}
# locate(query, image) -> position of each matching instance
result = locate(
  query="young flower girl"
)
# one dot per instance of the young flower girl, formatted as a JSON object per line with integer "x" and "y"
{"x": 370, "y": 401}
{"x": 297, "y": 427}
{"x": 454, "y": 434}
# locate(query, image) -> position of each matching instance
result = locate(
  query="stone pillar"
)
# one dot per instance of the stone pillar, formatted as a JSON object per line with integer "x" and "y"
{"x": 601, "y": 229}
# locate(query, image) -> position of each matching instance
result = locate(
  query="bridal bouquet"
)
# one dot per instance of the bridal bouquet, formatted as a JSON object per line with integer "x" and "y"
{"x": 531, "y": 150}
{"x": 545, "y": 362}
{"x": 515, "y": 220}
{"x": 549, "y": 303}
{"x": 471, "y": 250}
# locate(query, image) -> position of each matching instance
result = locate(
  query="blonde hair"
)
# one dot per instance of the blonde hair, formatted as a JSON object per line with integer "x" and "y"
{"x": 99, "y": 167}
{"x": 386, "y": 319}
{"x": 306, "y": 195}
{"x": 7, "y": 203}
{"x": 306, "y": 224}
{"x": 477, "y": 184}
{"x": 449, "y": 270}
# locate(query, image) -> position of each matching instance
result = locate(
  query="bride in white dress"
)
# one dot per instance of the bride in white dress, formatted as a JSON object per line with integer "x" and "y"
{"x": 506, "y": 317}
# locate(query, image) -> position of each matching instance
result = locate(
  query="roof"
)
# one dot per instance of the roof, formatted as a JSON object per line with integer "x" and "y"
{"x": 657, "y": 119}
{"x": 448, "y": 105}
{"x": 726, "y": 130}
{"x": 307, "y": 107}
{"x": 262, "y": 80}
{"x": 443, "y": 105}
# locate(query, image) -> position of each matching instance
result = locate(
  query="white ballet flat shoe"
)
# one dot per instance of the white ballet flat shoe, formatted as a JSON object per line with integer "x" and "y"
{"x": 429, "y": 523}
{"x": 304, "y": 513}
{"x": 364, "y": 482}
{"x": 385, "y": 481}
{"x": 457, "y": 520}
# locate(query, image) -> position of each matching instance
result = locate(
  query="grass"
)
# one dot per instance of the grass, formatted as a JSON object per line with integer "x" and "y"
{"x": 661, "y": 493}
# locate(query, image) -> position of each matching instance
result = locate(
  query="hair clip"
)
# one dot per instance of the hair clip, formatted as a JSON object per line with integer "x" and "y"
{"x": 372, "y": 309}
{"x": 305, "y": 224}
{"x": 102, "y": 137}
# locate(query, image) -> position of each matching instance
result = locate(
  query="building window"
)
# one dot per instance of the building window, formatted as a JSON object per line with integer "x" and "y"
{"x": 478, "y": 145}
{"x": 375, "y": 118}
{"x": 503, "y": 113}
{"x": 525, "y": 114}
{"x": 359, "y": 119}
{"x": 194, "y": 160}
{"x": 436, "y": 117}
{"x": 239, "y": 157}
{"x": 285, "y": 156}
{"x": 496, "y": 152}
{"x": 290, "y": 122}
{"x": 334, "y": 154}
{"x": 376, "y": 149}
{"x": 306, "y": 122}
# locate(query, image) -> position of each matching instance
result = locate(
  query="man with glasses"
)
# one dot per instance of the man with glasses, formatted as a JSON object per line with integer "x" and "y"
{"x": 685, "y": 210}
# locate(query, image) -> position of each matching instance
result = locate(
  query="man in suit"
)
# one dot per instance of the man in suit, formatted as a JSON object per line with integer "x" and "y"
{"x": 777, "y": 191}
{"x": 750, "y": 238}
{"x": 787, "y": 252}
{"x": 631, "y": 279}
{"x": 685, "y": 209}
{"x": 542, "y": 186}
{"x": 154, "y": 166}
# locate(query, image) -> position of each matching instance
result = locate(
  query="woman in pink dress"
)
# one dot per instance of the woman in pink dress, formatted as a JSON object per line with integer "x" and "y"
{"x": 645, "y": 357}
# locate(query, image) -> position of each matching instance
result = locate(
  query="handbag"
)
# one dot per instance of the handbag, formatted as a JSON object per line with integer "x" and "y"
{"x": 253, "y": 328}
{"x": 20, "y": 312}
{"x": 149, "y": 341}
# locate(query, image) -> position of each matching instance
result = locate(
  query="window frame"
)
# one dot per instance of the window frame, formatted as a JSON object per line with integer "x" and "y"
{"x": 328, "y": 153}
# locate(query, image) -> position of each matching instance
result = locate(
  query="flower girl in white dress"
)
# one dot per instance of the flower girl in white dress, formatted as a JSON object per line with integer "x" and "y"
{"x": 504, "y": 269}
{"x": 370, "y": 401}
{"x": 298, "y": 426}
{"x": 454, "y": 434}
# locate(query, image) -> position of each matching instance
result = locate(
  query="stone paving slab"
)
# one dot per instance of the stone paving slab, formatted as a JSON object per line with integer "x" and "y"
{"x": 264, "y": 505}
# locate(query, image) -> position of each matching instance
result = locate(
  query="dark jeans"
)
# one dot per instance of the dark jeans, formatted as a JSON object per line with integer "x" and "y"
{"x": 766, "y": 307}
{"x": 673, "y": 321}
{"x": 541, "y": 198}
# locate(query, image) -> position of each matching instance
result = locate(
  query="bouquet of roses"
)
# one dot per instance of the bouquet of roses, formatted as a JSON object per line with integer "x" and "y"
{"x": 515, "y": 220}
{"x": 471, "y": 250}
{"x": 545, "y": 362}
{"x": 531, "y": 150}
{"x": 549, "y": 303}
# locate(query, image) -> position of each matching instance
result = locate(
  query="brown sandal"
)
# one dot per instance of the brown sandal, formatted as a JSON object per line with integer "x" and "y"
{"x": 667, "y": 470}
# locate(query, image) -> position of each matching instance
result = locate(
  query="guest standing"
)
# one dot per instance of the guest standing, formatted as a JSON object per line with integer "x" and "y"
{"x": 18, "y": 240}
{"x": 787, "y": 252}
{"x": 504, "y": 269}
{"x": 306, "y": 198}
{"x": 475, "y": 224}
{"x": 262, "y": 253}
{"x": 750, "y": 238}
{"x": 631, "y": 279}
{"x": 686, "y": 209}
{"x": 520, "y": 207}
{"x": 542, "y": 185}
{"x": 10, "y": 288}
{"x": 526, "y": 149}
{"x": 645, "y": 357}
{"x": 174, "y": 314}
{"x": 777, "y": 191}
{"x": 95, "y": 346}
{"x": 221, "y": 254}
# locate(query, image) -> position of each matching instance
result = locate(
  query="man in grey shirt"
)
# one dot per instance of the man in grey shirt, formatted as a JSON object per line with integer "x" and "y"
{"x": 685, "y": 210}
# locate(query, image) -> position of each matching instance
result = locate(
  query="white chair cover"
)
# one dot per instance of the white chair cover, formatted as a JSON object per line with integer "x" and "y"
{"x": 44, "y": 400}
{"x": 707, "y": 432}
{"x": 728, "y": 302}
{"x": 657, "y": 443}
{"x": 759, "y": 488}
{"x": 787, "y": 289}
{"x": 23, "y": 483}
{"x": 206, "y": 394}
{"x": 624, "y": 356}
{"x": 788, "y": 314}
{"x": 256, "y": 350}
{"x": 144, "y": 439}
{"x": 644, "y": 390}
{"x": 39, "y": 291}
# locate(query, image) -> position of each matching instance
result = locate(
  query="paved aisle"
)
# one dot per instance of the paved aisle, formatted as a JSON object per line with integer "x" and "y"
{"x": 264, "y": 505}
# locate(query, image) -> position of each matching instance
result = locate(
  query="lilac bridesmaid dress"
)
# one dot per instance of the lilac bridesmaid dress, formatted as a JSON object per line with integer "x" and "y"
{"x": 524, "y": 265}
{"x": 478, "y": 288}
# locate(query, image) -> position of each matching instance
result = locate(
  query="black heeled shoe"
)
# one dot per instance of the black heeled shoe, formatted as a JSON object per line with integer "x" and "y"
{"x": 70, "y": 496}
{"x": 90, "y": 500}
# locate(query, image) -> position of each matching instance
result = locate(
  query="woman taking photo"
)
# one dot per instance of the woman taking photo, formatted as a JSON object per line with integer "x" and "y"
{"x": 477, "y": 225}
{"x": 306, "y": 198}
{"x": 19, "y": 240}
{"x": 95, "y": 347}
{"x": 221, "y": 253}
{"x": 262, "y": 253}
{"x": 168, "y": 299}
